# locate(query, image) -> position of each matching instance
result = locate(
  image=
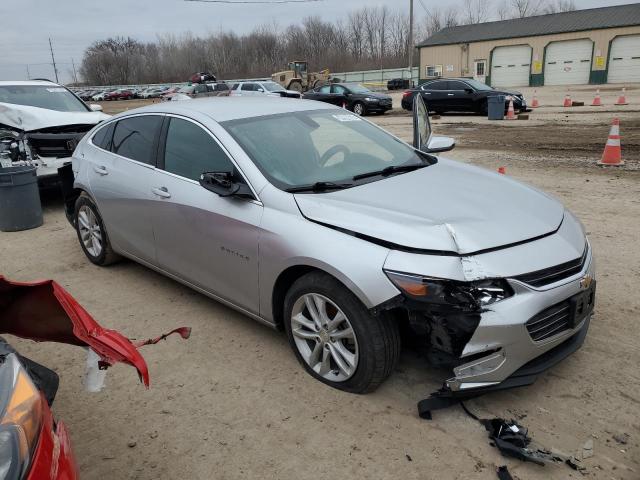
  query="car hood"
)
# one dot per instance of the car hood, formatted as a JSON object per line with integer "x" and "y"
{"x": 449, "y": 207}
{"x": 515, "y": 93}
{"x": 34, "y": 118}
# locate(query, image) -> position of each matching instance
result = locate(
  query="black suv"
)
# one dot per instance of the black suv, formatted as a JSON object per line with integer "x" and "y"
{"x": 459, "y": 95}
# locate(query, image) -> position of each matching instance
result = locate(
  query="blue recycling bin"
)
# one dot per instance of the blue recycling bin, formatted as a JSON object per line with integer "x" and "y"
{"x": 495, "y": 107}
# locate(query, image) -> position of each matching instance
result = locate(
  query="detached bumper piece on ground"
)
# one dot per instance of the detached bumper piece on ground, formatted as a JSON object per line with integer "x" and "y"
{"x": 33, "y": 445}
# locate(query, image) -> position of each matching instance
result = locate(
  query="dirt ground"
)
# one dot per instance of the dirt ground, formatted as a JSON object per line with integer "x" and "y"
{"x": 232, "y": 402}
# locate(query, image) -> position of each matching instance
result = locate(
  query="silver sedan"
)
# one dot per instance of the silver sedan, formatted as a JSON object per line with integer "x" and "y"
{"x": 312, "y": 219}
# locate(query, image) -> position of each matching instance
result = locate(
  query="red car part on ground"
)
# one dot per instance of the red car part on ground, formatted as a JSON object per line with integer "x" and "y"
{"x": 44, "y": 311}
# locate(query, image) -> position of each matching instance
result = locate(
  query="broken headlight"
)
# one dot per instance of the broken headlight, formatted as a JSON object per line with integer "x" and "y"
{"x": 21, "y": 407}
{"x": 13, "y": 148}
{"x": 450, "y": 292}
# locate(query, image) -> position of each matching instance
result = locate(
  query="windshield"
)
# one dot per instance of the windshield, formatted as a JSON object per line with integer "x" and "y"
{"x": 273, "y": 86}
{"x": 51, "y": 97}
{"x": 303, "y": 148}
{"x": 357, "y": 88}
{"x": 478, "y": 85}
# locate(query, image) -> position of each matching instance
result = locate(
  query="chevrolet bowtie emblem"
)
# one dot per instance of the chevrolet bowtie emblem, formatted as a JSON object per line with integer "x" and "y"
{"x": 585, "y": 282}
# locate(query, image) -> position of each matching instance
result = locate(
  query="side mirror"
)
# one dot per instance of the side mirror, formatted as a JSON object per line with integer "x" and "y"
{"x": 261, "y": 89}
{"x": 441, "y": 144}
{"x": 95, "y": 107}
{"x": 421, "y": 124}
{"x": 224, "y": 184}
{"x": 219, "y": 182}
{"x": 468, "y": 90}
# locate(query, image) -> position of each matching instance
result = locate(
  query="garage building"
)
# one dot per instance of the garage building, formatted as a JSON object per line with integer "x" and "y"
{"x": 598, "y": 45}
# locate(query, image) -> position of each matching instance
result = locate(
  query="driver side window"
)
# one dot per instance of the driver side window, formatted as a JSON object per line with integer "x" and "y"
{"x": 325, "y": 89}
{"x": 338, "y": 89}
{"x": 190, "y": 151}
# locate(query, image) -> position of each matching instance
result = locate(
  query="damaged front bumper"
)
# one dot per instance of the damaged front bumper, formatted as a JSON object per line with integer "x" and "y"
{"x": 508, "y": 343}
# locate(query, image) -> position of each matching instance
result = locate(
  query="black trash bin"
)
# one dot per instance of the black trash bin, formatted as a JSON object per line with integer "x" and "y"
{"x": 20, "y": 207}
{"x": 495, "y": 107}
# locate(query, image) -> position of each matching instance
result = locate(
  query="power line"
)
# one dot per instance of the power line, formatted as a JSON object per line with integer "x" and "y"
{"x": 266, "y": 2}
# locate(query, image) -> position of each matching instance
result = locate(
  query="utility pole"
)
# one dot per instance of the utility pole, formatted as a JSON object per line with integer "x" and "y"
{"x": 410, "y": 45}
{"x": 53, "y": 59}
{"x": 75, "y": 76}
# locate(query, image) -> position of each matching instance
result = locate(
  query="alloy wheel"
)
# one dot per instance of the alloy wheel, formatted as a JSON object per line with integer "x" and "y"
{"x": 358, "y": 109}
{"x": 324, "y": 337}
{"x": 90, "y": 231}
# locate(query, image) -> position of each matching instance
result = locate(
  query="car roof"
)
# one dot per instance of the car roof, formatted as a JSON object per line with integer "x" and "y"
{"x": 222, "y": 109}
{"x": 27, "y": 82}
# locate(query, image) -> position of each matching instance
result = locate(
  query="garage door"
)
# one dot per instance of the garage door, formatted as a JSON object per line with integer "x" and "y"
{"x": 510, "y": 66}
{"x": 624, "y": 60}
{"x": 568, "y": 63}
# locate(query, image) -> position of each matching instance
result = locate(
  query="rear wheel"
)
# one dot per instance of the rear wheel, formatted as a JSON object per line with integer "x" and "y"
{"x": 335, "y": 337}
{"x": 359, "y": 108}
{"x": 91, "y": 232}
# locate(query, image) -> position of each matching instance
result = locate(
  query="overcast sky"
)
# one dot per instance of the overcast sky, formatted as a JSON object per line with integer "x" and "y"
{"x": 75, "y": 24}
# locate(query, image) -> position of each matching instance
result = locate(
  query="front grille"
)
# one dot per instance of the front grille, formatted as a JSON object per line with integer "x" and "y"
{"x": 549, "y": 322}
{"x": 546, "y": 276}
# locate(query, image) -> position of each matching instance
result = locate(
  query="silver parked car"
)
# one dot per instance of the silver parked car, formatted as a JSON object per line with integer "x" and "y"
{"x": 307, "y": 217}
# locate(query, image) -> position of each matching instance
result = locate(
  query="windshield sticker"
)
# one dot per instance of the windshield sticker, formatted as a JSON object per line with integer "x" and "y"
{"x": 56, "y": 90}
{"x": 347, "y": 118}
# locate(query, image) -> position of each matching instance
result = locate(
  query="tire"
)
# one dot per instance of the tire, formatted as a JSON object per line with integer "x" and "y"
{"x": 373, "y": 347}
{"x": 295, "y": 86}
{"x": 359, "y": 109}
{"x": 88, "y": 222}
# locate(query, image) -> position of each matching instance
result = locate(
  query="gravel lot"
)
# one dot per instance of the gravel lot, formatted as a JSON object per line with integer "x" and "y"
{"x": 232, "y": 402}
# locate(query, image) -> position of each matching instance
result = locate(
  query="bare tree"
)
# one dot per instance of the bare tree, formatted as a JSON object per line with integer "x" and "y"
{"x": 475, "y": 11}
{"x": 558, "y": 6}
{"x": 526, "y": 8}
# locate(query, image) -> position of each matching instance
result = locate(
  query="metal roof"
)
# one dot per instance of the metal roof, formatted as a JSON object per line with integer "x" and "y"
{"x": 575, "y": 21}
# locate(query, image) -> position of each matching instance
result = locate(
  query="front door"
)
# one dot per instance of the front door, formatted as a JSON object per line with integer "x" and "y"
{"x": 202, "y": 238}
{"x": 480, "y": 70}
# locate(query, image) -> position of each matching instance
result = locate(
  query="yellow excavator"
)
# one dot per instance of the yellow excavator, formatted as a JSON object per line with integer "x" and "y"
{"x": 298, "y": 78}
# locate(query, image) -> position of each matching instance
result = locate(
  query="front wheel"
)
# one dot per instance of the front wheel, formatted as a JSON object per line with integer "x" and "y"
{"x": 336, "y": 339}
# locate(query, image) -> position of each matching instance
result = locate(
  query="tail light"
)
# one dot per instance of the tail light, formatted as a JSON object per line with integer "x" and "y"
{"x": 406, "y": 94}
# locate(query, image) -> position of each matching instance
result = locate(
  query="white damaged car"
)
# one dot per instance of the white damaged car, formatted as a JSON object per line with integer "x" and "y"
{"x": 41, "y": 123}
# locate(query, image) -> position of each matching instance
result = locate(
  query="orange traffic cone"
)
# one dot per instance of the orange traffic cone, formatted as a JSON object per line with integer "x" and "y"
{"x": 511, "y": 113}
{"x": 612, "y": 154}
{"x": 622, "y": 99}
{"x": 502, "y": 170}
{"x": 344, "y": 105}
{"x": 567, "y": 100}
{"x": 534, "y": 102}
{"x": 597, "y": 102}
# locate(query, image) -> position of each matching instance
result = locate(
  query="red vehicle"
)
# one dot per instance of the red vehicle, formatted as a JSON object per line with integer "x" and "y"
{"x": 120, "y": 94}
{"x": 33, "y": 446}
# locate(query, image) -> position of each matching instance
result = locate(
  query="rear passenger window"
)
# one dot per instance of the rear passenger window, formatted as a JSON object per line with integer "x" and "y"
{"x": 436, "y": 86}
{"x": 102, "y": 137}
{"x": 249, "y": 87}
{"x": 134, "y": 138}
{"x": 191, "y": 151}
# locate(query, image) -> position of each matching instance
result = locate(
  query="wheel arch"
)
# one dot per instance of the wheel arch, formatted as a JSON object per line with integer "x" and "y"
{"x": 289, "y": 275}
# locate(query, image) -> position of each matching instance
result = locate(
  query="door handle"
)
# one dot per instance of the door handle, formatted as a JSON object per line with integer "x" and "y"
{"x": 161, "y": 192}
{"x": 450, "y": 94}
{"x": 101, "y": 170}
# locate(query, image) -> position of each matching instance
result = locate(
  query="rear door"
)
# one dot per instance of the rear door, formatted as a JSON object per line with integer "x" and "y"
{"x": 434, "y": 95}
{"x": 120, "y": 181}
{"x": 207, "y": 240}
